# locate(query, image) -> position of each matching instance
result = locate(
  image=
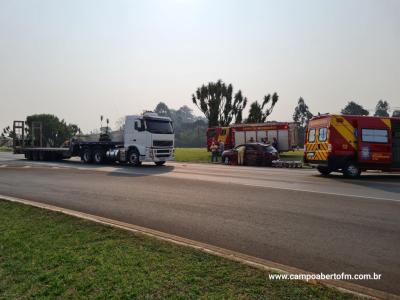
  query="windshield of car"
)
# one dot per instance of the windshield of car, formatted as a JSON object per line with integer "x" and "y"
{"x": 159, "y": 126}
{"x": 269, "y": 149}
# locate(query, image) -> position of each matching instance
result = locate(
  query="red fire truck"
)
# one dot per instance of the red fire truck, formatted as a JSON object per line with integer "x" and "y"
{"x": 286, "y": 134}
{"x": 352, "y": 144}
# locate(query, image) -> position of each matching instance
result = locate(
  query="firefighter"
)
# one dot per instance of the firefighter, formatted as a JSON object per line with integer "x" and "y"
{"x": 241, "y": 150}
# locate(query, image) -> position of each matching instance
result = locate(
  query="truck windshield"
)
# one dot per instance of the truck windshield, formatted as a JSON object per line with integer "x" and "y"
{"x": 159, "y": 126}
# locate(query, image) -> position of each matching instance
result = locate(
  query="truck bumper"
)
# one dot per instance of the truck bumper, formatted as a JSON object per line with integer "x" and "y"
{"x": 158, "y": 154}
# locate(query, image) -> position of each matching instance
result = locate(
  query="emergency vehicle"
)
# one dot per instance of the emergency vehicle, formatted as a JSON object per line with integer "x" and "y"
{"x": 352, "y": 144}
{"x": 285, "y": 133}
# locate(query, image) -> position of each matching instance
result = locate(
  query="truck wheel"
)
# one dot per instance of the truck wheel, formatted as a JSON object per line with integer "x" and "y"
{"x": 133, "y": 158}
{"x": 351, "y": 171}
{"x": 324, "y": 171}
{"x": 160, "y": 163}
{"x": 98, "y": 156}
{"x": 87, "y": 156}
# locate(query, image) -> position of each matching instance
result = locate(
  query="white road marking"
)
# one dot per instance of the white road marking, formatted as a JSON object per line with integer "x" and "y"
{"x": 27, "y": 167}
{"x": 324, "y": 193}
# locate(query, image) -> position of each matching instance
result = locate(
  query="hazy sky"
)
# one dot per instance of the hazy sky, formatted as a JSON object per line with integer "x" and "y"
{"x": 79, "y": 59}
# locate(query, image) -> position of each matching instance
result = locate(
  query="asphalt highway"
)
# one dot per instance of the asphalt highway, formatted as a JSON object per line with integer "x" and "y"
{"x": 290, "y": 216}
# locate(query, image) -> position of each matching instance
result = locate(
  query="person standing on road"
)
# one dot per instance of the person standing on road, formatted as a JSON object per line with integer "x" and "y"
{"x": 275, "y": 144}
{"x": 214, "y": 152}
{"x": 221, "y": 148}
{"x": 241, "y": 150}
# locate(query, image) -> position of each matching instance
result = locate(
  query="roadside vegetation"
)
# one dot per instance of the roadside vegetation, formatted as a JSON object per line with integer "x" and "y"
{"x": 192, "y": 155}
{"x": 201, "y": 155}
{"x": 292, "y": 155}
{"x": 45, "y": 254}
{"x": 5, "y": 149}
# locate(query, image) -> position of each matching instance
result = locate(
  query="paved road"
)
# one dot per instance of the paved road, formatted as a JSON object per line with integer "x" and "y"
{"x": 293, "y": 217}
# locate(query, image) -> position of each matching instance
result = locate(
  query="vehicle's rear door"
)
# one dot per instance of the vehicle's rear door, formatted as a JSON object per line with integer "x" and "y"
{"x": 374, "y": 141}
{"x": 250, "y": 157}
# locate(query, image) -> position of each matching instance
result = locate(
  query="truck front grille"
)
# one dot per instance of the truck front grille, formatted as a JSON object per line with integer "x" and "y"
{"x": 163, "y": 143}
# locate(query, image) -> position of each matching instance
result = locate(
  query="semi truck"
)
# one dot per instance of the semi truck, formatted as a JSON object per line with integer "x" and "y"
{"x": 352, "y": 144}
{"x": 143, "y": 138}
{"x": 286, "y": 134}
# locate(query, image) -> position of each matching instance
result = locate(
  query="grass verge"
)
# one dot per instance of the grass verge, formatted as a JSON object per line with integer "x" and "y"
{"x": 201, "y": 155}
{"x": 292, "y": 155}
{"x": 5, "y": 149}
{"x": 192, "y": 155}
{"x": 49, "y": 255}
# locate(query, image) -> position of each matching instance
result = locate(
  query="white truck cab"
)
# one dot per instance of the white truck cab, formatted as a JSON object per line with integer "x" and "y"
{"x": 148, "y": 138}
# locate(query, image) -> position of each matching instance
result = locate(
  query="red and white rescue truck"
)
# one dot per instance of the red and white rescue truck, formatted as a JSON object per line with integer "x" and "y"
{"x": 352, "y": 144}
{"x": 285, "y": 133}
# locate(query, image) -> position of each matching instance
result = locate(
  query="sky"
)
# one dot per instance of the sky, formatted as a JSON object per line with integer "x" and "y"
{"x": 79, "y": 59}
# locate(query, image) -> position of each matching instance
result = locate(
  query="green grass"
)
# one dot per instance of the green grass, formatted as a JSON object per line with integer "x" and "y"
{"x": 292, "y": 155}
{"x": 201, "y": 155}
{"x": 192, "y": 155}
{"x": 49, "y": 255}
{"x": 5, "y": 149}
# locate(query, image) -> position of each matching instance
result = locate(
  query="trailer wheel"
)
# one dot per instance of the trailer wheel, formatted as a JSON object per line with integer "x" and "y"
{"x": 42, "y": 156}
{"x": 133, "y": 158}
{"x": 160, "y": 163}
{"x": 87, "y": 156}
{"x": 28, "y": 155}
{"x": 351, "y": 171}
{"x": 35, "y": 155}
{"x": 98, "y": 156}
{"x": 324, "y": 171}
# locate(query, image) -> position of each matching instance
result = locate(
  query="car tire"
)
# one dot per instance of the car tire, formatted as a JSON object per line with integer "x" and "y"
{"x": 133, "y": 158}
{"x": 226, "y": 160}
{"x": 87, "y": 156}
{"x": 98, "y": 156}
{"x": 160, "y": 163}
{"x": 324, "y": 171}
{"x": 351, "y": 171}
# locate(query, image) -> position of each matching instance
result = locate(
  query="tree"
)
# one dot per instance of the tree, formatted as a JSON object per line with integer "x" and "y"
{"x": 215, "y": 101}
{"x": 382, "y": 109}
{"x": 7, "y": 133}
{"x": 54, "y": 131}
{"x": 256, "y": 113}
{"x": 396, "y": 113}
{"x": 353, "y": 108}
{"x": 239, "y": 105}
{"x": 185, "y": 114}
{"x": 272, "y": 100}
{"x": 301, "y": 113}
{"x": 162, "y": 110}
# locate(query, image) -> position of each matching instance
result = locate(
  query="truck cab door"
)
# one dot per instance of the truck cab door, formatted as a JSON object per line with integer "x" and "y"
{"x": 140, "y": 136}
{"x": 374, "y": 142}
